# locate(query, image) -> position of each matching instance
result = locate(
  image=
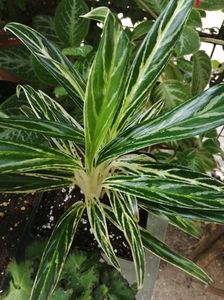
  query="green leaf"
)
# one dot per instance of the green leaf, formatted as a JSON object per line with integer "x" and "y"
{"x": 97, "y": 14}
{"x": 195, "y": 215}
{"x": 212, "y": 4}
{"x": 189, "y": 42}
{"x": 136, "y": 164}
{"x": 171, "y": 92}
{"x": 154, "y": 5}
{"x": 194, "y": 19}
{"x": 172, "y": 71}
{"x": 195, "y": 116}
{"x": 141, "y": 30}
{"x": 122, "y": 209}
{"x": 21, "y": 157}
{"x": 202, "y": 70}
{"x": 97, "y": 220}
{"x": 44, "y": 107}
{"x": 188, "y": 226}
{"x": 32, "y": 183}
{"x": 45, "y": 25}
{"x": 21, "y": 283}
{"x": 172, "y": 192}
{"x": 81, "y": 273}
{"x": 41, "y": 72}
{"x": 164, "y": 252}
{"x": 70, "y": 28}
{"x": 48, "y": 128}
{"x": 151, "y": 58}
{"x": 105, "y": 85}
{"x": 52, "y": 60}
{"x": 196, "y": 158}
{"x": 60, "y": 294}
{"x": 16, "y": 61}
{"x": 55, "y": 253}
{"x": 81, "y": 51}
{"x": 112, "y": 285}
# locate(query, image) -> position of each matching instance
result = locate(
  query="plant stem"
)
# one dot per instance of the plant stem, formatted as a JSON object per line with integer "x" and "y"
{"x": 212, "y": 40}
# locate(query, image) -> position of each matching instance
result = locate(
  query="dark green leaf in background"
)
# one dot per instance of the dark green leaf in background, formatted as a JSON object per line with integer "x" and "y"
{"x": 201, "y": 72}
{"x": 189, "y": 42}
{"x": 171, "y": 92}
{"x": 69, "y": 26}
{"x": 212, "y": 4}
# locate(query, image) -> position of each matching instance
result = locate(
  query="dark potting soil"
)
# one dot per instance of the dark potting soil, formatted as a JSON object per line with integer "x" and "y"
{"x": 51, "y": 208}
{"x": 25, "y": 217}
{"x": 15, "y": 216}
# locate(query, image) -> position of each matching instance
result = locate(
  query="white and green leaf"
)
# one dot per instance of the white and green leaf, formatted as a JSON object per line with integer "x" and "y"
{"x": 18, "y": 157}
{"x": 171, "y": 192}
{"x": 105, "y": 85}
{"x": 151, "y": 58}
{"x": 195, "y": 116}
{"x": 122, "y": 206}
{"x": 32, "y": 183}
{"x": 52, "y": 60}
{"x": 45, "y": 127}
{"x": 55, "y": 253}
{"x": 97, "y": 220}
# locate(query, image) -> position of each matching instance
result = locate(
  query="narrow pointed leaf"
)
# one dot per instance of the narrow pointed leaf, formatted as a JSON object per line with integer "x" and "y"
{"x": 195, "y": 215}
{"x": 32, "y": 183}
{"x": 121, "y": 205}
{"x": 55, "y": 253}
{"x": 152, "y": 57}
{"x": 164, "y": 252}
{"x": 48, "y": 128}
{"x": 52, "y": 60}
{"x": 171, "y": 192}
{"x": 21, "y": 157}
{"x": 194, "y": 117}
{"x": 44, "y": 107}
{"x": 97, "y": 14}
{"x": 105, "y": 84}
{"x": 96, "y": 217}
{"x": 144, "y": 165}
{"x": 188, "y": 226}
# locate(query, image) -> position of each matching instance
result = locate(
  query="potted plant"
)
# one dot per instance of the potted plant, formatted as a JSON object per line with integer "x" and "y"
{"x": 101, "y": 154}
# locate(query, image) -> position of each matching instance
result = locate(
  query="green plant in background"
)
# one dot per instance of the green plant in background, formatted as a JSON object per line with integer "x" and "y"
{"x": 105, "y": 154}
{"x": 84, "y": 277}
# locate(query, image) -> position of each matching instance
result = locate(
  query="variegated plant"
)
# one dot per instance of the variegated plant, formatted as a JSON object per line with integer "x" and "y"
{"x": 101, "y": 155}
